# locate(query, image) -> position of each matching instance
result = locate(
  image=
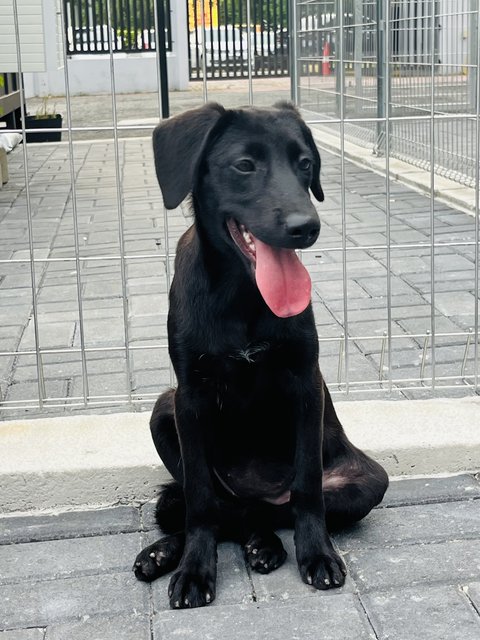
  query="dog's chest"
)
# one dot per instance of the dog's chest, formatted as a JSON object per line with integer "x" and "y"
{"x": 252, "y": 354}
{"x": 235, "y": 366}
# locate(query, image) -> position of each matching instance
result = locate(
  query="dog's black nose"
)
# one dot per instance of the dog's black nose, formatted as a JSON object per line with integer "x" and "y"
{"x": 304, "y": 229}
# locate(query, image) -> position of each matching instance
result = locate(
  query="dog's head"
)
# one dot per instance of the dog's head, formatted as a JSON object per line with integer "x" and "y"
{"x": 250, "y": 172}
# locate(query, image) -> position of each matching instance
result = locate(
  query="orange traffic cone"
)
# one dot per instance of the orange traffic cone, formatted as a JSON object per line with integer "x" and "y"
{"x": 326, "y": 59}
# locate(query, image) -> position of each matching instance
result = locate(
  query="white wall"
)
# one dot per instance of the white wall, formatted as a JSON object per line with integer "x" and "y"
{"x": 31, "y": 32}
{"x": 90, "y": 74}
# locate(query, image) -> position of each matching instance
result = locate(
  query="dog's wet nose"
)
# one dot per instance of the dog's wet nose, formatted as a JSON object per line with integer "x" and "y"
{"x": 304, "y": 229}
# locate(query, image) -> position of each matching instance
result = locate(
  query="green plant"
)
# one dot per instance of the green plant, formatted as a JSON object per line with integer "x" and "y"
{"x": 45, "y": 110}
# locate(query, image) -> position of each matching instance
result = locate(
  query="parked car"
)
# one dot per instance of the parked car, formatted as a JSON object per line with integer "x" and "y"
{"x": 225, "y": 46}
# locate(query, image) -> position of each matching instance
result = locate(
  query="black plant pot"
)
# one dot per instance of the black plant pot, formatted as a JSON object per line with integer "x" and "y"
{"x": 50, "y": 122}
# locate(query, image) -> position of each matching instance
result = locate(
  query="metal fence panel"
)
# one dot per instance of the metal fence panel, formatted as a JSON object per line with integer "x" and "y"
{"x": 401, "y": 80}
{"x": 86, "y": 251}
{"x": 432, "y": 54}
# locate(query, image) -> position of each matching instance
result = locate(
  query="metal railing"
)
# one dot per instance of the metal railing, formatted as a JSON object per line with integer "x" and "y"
{"x": 128, "y": 26}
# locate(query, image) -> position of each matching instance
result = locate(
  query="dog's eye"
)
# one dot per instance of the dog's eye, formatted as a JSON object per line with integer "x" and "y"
{"x": 245, "y": 166}
{"x": 304, "y": 164}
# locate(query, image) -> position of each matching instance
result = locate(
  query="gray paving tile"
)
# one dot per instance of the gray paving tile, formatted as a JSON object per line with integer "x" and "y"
{"x": 70, "y": 524}
{"x": 296, "y": 619}
{"x": 413, "y": 525}
{"x": 334, "y": 290}
{"x": 23, "y": 634}
{"x": 148, "y": 516}
{"x": 457, "y": 303}
{"x": 24, "y": 391}
{"x": 36, "y": 604}
{"x": 134, "y": 627}
{"x": 448, "y": 563}
{"x": 58, "y": 334}
{"x": 377, "y": 287}
{"x": 425, "y": 490}
{"x": 473, "y": 592}
{"x": 55, "y": 559}
{"x": 429, "y": 613}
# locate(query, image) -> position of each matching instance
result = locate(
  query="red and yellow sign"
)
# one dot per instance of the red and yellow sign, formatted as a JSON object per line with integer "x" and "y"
{"x": 196, "y": 18}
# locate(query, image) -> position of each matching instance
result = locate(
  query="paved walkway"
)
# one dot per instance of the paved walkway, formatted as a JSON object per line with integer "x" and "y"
{"x": 414, "y": 574}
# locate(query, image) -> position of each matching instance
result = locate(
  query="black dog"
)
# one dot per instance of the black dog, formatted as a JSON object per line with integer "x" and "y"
{"x": 250, "y": 435}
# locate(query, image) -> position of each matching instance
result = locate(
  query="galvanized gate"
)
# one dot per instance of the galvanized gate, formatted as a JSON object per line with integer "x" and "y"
{"x": 93, "y": 26}
{"x": 238, "y": 38}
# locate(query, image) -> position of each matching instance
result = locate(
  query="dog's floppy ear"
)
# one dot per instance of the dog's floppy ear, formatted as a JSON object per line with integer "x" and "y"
{"x": 177, "y": 146}
{"x": 315, "y": 185}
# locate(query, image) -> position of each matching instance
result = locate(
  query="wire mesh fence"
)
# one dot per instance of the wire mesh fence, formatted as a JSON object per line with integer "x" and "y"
{"x": 86, "y": 247}
{"x": 432, "y": 53}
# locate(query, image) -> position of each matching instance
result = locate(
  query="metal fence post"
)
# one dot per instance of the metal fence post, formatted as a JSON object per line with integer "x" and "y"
{"x": 358, "y": 49}
{"x": 380, "y": 77}
{"x": 474, "y": 66}
{"x": 161, "y": 52}
{"x": 293, "y": 49}
{"x": 340, "y": 61}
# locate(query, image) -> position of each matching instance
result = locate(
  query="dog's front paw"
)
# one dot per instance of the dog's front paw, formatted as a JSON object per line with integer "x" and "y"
{"x": 323, "y": 571}
{"x": 188, "y": 589}
{"x": 159, "y": 558}
{"x": 265, "y": 552}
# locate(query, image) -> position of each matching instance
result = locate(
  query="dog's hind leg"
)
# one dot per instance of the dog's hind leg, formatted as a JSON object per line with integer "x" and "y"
{"x": 353, "y": 483}
{"x": 164, "y": 434}
{"x": 164, "y": 555}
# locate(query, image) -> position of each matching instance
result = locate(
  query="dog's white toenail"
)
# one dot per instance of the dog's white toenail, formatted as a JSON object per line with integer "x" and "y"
{"x": 208, "y": 597}
{"x": 254, "y": 551}
{"x": 152, "y": 555}
{"x": 309, "y": 579}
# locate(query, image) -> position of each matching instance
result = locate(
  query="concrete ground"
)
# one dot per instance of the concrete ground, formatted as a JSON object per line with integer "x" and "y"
{"x": 65, "y": 568}
{"x": 414, "y": 574}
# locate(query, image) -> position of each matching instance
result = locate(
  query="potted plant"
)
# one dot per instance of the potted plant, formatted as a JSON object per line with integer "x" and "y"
{"x": 46, "y": 117}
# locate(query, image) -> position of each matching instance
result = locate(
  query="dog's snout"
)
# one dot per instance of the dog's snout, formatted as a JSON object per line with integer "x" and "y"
{"x": 304, "y": 229}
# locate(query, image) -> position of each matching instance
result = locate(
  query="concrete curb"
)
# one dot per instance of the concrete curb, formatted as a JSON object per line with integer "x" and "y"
{"x": 105, "y": 459}
{"x": 446, "y": 191}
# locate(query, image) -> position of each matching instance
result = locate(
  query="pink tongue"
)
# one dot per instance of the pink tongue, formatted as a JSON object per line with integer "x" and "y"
{"x": 282, "y": 280}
